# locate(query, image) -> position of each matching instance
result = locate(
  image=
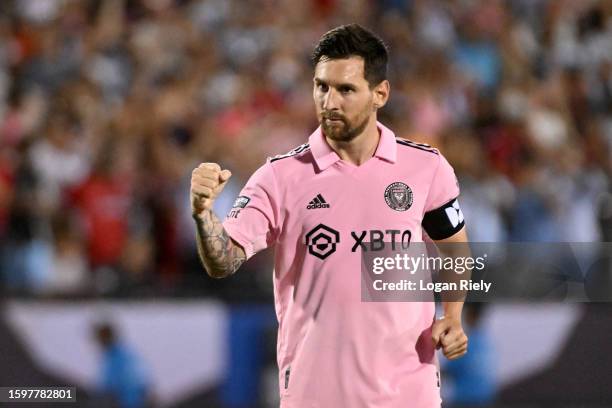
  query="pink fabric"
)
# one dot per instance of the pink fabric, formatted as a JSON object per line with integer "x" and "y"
{"x": 342, "y": 352}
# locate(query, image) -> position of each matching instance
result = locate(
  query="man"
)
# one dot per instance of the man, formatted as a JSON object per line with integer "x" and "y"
{"x": 353, "y": 177}
{"x": 122, "y": 376}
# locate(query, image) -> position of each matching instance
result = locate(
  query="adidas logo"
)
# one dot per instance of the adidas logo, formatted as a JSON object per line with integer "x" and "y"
{"x": 317, "y": 202}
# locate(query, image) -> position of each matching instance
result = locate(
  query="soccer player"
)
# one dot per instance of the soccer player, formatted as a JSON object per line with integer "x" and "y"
{"x": 314, "y": 205}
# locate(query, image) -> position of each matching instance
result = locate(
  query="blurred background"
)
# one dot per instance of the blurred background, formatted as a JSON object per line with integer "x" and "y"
{"x": 107, "y": 106}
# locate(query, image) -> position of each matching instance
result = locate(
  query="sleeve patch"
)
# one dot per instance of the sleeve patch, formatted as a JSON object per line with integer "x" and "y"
{"x": 241, "y": 202}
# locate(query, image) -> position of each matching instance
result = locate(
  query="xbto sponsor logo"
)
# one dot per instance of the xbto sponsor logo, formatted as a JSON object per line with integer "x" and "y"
{"x": 397, "y": 239}
{"x": 322, "y": 240}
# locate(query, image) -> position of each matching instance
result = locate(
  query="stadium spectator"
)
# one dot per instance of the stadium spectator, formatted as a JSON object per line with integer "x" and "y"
{"x": 524, "y": 88}
{"x": 122, "y": 374}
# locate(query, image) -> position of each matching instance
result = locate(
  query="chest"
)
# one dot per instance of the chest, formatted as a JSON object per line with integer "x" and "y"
{"x": 357, "y": 205}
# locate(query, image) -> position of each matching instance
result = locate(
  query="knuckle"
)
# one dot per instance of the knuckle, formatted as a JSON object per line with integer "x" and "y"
{"x": 211, "y": 166}
{"x": 205, "y": 174}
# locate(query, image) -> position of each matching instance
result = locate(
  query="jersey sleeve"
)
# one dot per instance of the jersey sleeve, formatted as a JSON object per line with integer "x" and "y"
{"x": 252, "y": 222}
{"x": 443, "y": 217}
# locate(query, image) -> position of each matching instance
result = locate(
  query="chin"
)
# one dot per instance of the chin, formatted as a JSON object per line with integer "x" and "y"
{"x": 337, "y": 135}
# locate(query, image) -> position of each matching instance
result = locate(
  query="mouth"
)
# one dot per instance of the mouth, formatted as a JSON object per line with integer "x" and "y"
{"x": 333, "y": 121}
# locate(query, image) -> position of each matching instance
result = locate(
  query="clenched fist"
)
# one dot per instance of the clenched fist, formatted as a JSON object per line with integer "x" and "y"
{"x": 447, "y": 334}
{"x": 207, "y": 181}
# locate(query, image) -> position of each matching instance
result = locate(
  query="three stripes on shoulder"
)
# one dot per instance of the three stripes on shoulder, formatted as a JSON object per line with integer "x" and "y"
{"x": 297, "y": 150}
{"x": 403, "y": 142}
{"x": 420, "y": 146}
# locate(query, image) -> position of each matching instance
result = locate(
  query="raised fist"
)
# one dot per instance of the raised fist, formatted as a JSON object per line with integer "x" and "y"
{"x": 207, "y": 181}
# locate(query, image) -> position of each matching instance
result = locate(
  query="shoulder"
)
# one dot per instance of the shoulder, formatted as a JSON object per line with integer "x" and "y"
{"x": 420, "y": 153}
{"x": 291, "y": 161}
{"x": 409, "y": 146}
{"x": 295, "y": 153}
{"x": 282, "y": 164}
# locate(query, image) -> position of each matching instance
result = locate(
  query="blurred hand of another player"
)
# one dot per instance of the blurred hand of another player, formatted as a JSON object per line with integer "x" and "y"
{"x": 207, "y": 181}
{"x": 447, "y": 334}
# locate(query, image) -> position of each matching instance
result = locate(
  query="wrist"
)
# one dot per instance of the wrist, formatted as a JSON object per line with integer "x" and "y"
{"x": 451, "y": 317}
{"x": 201, "y": 216}
{"x": 452, "y": 310}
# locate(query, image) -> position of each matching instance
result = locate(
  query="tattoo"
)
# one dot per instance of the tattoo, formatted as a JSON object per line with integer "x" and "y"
{"x": 218, "y": 253}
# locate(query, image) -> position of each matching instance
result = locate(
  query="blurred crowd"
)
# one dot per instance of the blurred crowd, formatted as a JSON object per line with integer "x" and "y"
{"x": 107, "y": 106}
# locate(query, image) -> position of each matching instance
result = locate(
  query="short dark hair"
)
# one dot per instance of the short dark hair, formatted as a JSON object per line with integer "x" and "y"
{"x": 354, "y": 40}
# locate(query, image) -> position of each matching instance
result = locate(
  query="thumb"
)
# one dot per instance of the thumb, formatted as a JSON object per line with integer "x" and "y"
{"x": 437, "y": 331}
{"x": 224, "y": 176}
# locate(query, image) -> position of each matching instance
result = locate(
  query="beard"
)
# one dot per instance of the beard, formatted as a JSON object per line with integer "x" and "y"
{"x": 344, "y": 131}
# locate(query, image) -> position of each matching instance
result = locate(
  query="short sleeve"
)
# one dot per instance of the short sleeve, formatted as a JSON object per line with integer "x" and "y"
{"x": 252, "y": 222}
{"x": 443, "y": 217}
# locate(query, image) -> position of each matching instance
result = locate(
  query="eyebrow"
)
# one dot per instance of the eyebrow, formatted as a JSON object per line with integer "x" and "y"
{"x": 319, "y": 81}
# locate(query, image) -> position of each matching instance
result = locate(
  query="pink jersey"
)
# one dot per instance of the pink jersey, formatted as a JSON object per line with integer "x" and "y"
{"x": 333, "y": 349}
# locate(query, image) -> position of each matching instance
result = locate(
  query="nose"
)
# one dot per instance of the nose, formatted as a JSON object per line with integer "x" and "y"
{"x": 331, "y": 100}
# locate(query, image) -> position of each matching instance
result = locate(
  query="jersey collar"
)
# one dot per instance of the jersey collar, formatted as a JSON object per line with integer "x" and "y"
{"x": 325, "y": 156}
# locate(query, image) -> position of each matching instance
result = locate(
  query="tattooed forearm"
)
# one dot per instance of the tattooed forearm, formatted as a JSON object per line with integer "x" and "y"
{"x": 219, "y": 254}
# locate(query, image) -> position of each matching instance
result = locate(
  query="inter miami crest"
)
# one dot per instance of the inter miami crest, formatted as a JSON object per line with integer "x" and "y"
{"x": 398, "y": 196}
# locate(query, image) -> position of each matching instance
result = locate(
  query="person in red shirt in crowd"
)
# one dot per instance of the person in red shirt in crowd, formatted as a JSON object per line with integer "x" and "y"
{"x": 104, "y": 200}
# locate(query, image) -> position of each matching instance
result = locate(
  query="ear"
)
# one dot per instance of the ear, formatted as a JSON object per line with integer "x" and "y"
{"x": 381, "y": 94}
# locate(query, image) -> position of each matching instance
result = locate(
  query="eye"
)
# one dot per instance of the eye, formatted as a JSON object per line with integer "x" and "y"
{"x": 320, "y": 86}
{"x": 346, "y": 89}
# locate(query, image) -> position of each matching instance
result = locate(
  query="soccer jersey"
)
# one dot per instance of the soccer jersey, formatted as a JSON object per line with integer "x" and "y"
{"x": 333, "y": 349}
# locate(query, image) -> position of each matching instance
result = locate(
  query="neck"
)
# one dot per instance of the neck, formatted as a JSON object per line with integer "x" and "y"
{"x": 358, "y": 150}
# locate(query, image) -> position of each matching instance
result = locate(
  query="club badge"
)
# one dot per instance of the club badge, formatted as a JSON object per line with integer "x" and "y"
{"x": 398, "y": 196}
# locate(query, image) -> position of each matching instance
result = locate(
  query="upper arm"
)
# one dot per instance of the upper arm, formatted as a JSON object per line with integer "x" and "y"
{"x": 443, "y": 218}
{"x": 458, "y": 237}
{"x": 253, "y": 221}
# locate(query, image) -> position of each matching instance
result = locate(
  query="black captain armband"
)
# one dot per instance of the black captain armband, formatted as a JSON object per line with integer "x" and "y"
{"x": 443, "y": 222}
